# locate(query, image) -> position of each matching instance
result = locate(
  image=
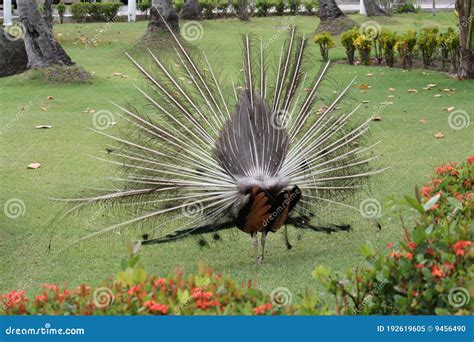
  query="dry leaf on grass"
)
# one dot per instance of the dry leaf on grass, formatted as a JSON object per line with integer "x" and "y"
{"x": 422, "y": 121}
{"x": 43, "y": 127}
{"x": 34, "y": 166}
{"x": 392, "y": 89}
{"x": 376, "y": 118}
{"x": 449, "y": 109}
{"x": 363, "y": 86}
{"x": 439, "y": 135}
{"x": 50, "y": 97}
{"x": 412, "y": 91}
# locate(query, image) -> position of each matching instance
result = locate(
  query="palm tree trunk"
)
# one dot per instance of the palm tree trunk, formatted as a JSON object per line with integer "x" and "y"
{"x": 167, "y": 12}
{"x": 372, "y": 9}
{"x": 41, "y": 47}
{"x": 466, "y": 63}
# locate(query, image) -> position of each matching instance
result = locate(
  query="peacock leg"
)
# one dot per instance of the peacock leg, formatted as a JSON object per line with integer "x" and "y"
{"x": 264, "y": 237}
{"x": 285, "y": 236}
{"x": 255, "y": 245}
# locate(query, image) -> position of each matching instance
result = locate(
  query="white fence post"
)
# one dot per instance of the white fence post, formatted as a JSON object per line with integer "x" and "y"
{"x": 7, "y": 12}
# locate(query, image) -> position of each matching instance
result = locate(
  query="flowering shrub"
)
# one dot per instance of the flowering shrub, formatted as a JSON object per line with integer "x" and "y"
{"x": 405, "y": 46}
{"x": 364, "y": 46}
{"x": 347, "y": 40}
{"x": 430, "y": 270}
{"x": 133, "y": 292}
{"x": 325, "y": 42}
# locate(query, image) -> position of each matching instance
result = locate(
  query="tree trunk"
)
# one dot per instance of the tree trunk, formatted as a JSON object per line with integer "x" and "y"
{"x": 41, "y": 47}
{"x": 191, "y": 10}
{"x": 372, "y": 9}
{"x": 165, "y": 8}
{"x": 328, "y": 9}
{"x": 332, "y": 19}
{"x": 48, "y": 14}
{"x": 243, "y": 10}
{"x": 13, "y": 58}
{"x": 466, "y": 63}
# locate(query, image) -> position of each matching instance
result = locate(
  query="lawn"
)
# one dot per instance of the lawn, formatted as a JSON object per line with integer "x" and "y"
{"x": 407, "y": 146}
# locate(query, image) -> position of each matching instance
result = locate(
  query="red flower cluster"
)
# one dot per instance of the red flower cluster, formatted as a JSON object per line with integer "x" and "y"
{"x": 470, "y": 159}
{"x": 156, "y": 307}
{"x": 262, "y": 309}
{"x": 460, "y": 247}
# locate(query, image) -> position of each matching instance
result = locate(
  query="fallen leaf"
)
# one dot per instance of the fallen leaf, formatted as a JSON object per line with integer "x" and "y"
{"x": 412, "y": 91}
{"x": 44, "y": 127}
{"x": 50, "y": 97}
{"x": 438, "y": 95}
{"x": 392, "y": 89}
{"x": 391, "y": 96}
{"x": 125, "y": 76}
{"x": 449, "y": 109}
{"x": 321, "y": 110}
{"x": 365, "y": 101}
{"x": 363, "y": 86}
{"x": 34, "y": 166}
{"x": 44, "y": 108}
{"x": 369, "y": 74}
{"x": 447, "y": 90}
{"x": 439, "y": 135}
{"x": 116, "y": 74}
{"x": 422, "y": 121}
{"x": 376, "y": 118}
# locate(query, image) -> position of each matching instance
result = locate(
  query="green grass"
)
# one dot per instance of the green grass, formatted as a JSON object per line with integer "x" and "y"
{"x": 407, "y": 147}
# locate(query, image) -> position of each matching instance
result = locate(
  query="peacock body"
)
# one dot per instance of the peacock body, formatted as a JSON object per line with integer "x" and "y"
{"x": 257, "y": 159}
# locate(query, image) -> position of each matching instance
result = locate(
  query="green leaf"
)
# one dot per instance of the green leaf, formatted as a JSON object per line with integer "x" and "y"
{"x": 442, "y": 312}
{"x": 133, "y": 261}
{"x": 367, "y": 250}
{"x": 139, "y": 275}
{"x": 431, "y": 202}
{"x": 321, "y": 272}
{"x": 429, "y": 229}
{"x": 454, "y": 202}
{"x": 415, "y": 204}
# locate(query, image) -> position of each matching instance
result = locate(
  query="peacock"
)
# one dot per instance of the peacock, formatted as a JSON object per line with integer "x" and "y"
{"x": 209, "y": 154}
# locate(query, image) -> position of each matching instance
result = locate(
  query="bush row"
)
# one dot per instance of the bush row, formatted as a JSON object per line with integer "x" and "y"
{"x": 95, "y": 11}
{"x": 428, "y": 271}
{"x": 384, "y": 45}
{"x": 262, "y": 8}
